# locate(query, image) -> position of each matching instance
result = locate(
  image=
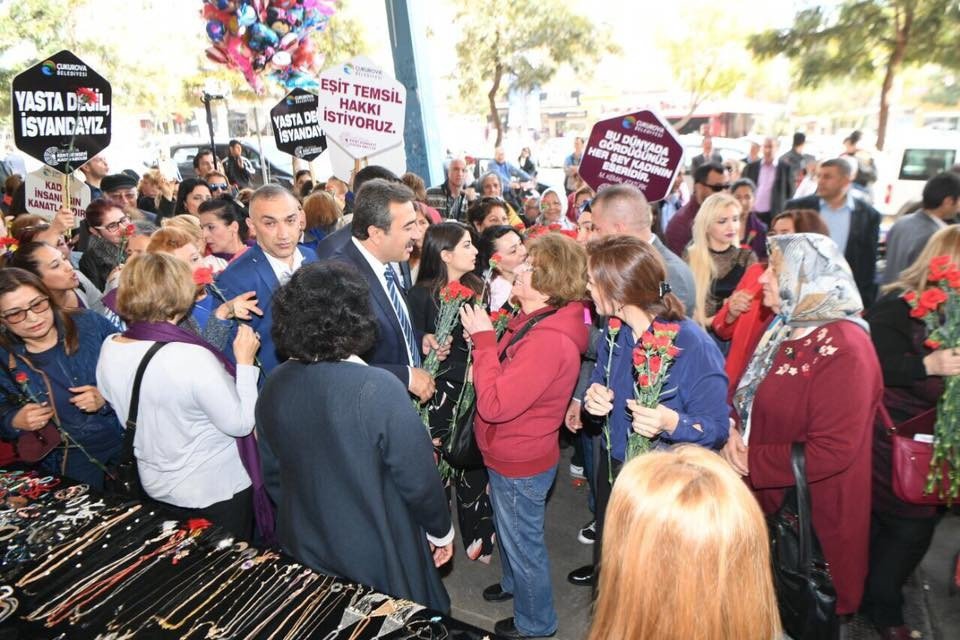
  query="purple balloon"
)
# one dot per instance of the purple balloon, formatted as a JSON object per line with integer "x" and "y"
{"x": 216, "y": 30}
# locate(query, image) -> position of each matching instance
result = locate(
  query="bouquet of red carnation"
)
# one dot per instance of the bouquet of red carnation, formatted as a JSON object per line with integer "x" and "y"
{"x": 452, "y": 297}
{"x": 500, "y": 319}
{"x": 126, "y": 233}
{"x": 939, "y": 309}
{"x": 652, "y": 358}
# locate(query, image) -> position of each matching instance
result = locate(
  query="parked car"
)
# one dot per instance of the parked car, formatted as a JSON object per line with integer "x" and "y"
{"x": 921, "y": 156}
{"x": 183, "y": 155}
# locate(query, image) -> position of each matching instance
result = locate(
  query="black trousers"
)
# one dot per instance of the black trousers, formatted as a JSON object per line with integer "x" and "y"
{"x": 897, "y": 545}
{"x": 234, "y": 515}
{"x": 603, "y": 489}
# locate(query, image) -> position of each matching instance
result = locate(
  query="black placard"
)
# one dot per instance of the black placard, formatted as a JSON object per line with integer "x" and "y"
{"x": 296, "y": 125}
{"x": 61, "y": 112}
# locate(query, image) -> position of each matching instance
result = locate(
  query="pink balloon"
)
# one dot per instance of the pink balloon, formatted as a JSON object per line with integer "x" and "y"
{"x": 217, "y": 54}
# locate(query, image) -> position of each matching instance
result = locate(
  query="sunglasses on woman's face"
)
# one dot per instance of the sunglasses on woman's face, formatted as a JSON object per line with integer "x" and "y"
{"x": 219, "y": 187}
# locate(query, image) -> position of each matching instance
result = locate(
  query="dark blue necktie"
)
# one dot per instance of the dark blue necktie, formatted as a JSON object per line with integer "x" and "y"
{"x": 401, "y": 309}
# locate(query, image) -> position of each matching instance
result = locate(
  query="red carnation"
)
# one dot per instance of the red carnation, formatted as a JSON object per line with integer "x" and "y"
{"x": 570, "y": 233}
{"x": 910, "y": 297}
{"x": 919, "y": 311}
{"x": 673, "y": 351}
{"x": 647, "y": 340}
{"x": 939, "y": 267}
{"x": 933, "y": 298}
{"x": 203, "y": 276}
{"x": 553, "y": 227}
{"x": 661, "y": 341}
{"x": 644, "y": 380}
{"x": 128, "y": 231}
{"x": 21, "y": 377}
{"x": 614, "y": 325}
{"x": 87, "y": 95}
{"x": 495, "y": 260}
{"x": 655, "y": 363}
{"x": 519, "y": 226}
{"x": 933, "y": 344}
{"x": 639, "y": 357}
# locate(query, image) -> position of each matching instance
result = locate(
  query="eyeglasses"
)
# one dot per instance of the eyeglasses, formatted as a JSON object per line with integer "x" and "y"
{"x": 717, "y": 188}
{"x": 38, "y": 306}
{"x": 219, "y": 187}
{"x": 114, "y": 226}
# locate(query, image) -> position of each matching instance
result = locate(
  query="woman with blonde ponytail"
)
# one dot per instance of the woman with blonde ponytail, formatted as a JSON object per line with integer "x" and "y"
{"x": 686, "y": 515}
{"x": 715, "y": 256}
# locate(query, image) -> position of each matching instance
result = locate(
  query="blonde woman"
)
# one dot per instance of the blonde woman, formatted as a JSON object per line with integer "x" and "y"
{"x": 190, "y": 224}
{"x": 914, "y": 377}
{"x": 715, "y": 256}
{"x": 686, "y": 515}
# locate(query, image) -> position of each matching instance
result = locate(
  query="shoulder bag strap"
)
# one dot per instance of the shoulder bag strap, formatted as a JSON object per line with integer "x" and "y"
{"x": 524, "y": 330}
{"x": 131, "y": 424}
{"x": 804, "y": 524}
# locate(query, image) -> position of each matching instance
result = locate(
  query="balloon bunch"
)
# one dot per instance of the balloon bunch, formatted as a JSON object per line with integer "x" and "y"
{"x": 267, "y": 37}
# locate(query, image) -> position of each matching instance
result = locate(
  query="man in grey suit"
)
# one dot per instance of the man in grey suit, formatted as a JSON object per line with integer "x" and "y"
{"x": 623, "y": 209}
{"x": 908, "y": 237}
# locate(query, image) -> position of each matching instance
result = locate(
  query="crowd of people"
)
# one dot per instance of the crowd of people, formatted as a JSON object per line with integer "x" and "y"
{"x": 271, "y": 346}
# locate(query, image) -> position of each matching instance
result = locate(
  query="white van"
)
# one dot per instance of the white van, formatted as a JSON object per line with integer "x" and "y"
{"x": 913, "y": 161}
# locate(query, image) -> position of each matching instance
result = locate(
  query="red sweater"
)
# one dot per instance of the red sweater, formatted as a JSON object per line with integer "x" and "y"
{"x": 521, "y": 401}
{"x": 823, "y": 390}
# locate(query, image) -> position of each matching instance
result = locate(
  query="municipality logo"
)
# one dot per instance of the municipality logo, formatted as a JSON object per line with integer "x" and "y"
{"x": 290, "y": 101}
{"x": 348, "y": 69}
{"x": 629, "y": 122}
{"x": 48, "y": 68}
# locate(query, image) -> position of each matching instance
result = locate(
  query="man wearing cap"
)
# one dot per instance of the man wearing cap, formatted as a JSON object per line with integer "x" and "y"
{"x": 121, "y": 190}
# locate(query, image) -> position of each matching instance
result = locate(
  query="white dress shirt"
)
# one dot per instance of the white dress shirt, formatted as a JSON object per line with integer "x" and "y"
{"x": 281, "y": 269}
{"x": 378, "y": 270}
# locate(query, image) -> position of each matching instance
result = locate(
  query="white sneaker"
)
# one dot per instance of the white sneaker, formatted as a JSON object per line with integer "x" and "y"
{"x": 576, "y": 472}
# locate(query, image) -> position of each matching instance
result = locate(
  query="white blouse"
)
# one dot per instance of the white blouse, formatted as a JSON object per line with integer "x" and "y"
{"x": 190, "y": 414}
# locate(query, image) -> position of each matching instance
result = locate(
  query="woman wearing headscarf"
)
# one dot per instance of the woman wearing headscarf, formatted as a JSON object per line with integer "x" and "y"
{"x": 553, "y": 210}
{"x": 814, "y": 378}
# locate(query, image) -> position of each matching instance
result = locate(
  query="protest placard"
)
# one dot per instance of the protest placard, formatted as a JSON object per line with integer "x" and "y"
{"x": 639, "y": 149}
{"x": 296, "y": 125}
{"x": 362, "y": 107}
{"x": 44, "y": 194}
{"x": 61, "y": 112}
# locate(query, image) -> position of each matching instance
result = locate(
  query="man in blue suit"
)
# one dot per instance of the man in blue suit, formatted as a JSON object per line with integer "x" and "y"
{"x": 335, "y": 242}
{"x": 275, "y": 215}
{"x": 383, "y": 232}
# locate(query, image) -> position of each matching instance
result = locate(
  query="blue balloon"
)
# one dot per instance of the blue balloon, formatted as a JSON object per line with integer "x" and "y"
{"x": 246, "y": 15}
{"x": 216, "y": 30}
{"x": 265, "y": 34}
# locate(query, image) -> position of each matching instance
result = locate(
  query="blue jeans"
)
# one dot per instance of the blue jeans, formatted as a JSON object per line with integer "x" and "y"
{"x": 519, "y": 507}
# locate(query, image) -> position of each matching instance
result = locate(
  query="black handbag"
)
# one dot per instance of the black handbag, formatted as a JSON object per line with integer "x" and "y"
{"x": 460, "y": 449}
{"x": 126, "y": 478}
{"x": 805, "y": 593}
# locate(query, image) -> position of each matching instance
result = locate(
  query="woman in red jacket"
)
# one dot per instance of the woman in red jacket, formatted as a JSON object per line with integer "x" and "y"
{"x": 523, "y": 387}
{"x": 814, "y": 379}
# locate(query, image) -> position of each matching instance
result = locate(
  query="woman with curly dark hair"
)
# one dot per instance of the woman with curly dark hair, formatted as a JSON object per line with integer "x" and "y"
{"x": 345, "y": 456}
{"x": 449, "y": 255}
